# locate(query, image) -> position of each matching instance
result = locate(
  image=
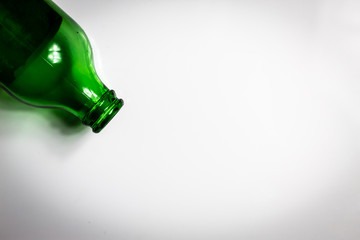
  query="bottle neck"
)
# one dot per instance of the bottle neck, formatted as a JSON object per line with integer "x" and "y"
{"x": 103, "y": 111}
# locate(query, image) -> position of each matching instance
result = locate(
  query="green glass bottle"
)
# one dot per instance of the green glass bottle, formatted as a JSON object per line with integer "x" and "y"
{"x": 46, "y": 61}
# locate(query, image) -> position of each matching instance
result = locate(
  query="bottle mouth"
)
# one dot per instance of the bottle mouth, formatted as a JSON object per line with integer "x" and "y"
{"x": 103, "y": 111}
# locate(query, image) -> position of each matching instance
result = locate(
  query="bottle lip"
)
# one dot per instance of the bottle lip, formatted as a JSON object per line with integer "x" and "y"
{"x": 103, "y": 111}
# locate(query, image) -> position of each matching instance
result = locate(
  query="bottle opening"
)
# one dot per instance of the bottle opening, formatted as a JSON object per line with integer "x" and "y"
{"x": 104, "y": 110}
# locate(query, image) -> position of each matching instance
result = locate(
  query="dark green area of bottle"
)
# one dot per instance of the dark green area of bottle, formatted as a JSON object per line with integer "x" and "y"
{"x": 46, "y": 61}
{"x": 24, "y": 25}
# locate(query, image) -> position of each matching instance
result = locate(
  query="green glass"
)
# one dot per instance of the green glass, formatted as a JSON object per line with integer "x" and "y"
{"x": 46, "y": 61}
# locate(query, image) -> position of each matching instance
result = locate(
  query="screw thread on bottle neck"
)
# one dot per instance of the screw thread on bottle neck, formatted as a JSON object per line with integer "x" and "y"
{"x": 103, "y": 111}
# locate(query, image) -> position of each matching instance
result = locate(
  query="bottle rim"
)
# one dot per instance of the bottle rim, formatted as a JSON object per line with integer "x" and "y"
{"x": 103, "y": 111}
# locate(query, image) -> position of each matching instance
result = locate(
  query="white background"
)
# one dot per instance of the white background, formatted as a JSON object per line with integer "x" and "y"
{"x": 241, "y": 121}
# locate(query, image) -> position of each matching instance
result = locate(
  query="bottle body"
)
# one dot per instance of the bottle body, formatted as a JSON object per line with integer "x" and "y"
{"x": 51, "y": 65}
